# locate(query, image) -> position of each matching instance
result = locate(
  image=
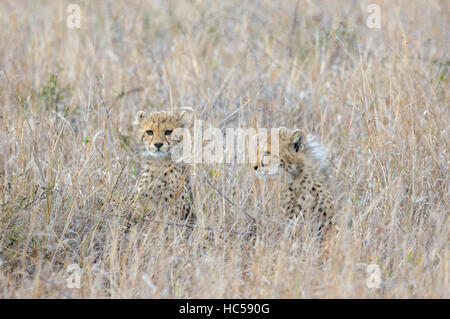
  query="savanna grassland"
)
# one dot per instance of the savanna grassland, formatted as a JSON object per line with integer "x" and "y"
{"x": 378, "y": 98}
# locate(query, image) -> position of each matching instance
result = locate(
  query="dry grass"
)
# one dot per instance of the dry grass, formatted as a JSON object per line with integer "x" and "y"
{"x": 378, "y": 98}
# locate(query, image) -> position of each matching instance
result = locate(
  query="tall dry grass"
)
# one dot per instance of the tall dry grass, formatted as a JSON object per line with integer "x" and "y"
{"x": 378, "y": 98}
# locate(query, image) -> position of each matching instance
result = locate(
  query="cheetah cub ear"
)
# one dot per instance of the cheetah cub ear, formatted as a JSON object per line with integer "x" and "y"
{"x": 139, "y": 117}
{"x": 283, "y": 132}
{"x": 297, "y": 139}
{"x": 183, "y": 119}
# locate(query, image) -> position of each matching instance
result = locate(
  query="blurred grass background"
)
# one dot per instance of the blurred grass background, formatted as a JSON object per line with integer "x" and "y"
{"x": 378, "y": 98}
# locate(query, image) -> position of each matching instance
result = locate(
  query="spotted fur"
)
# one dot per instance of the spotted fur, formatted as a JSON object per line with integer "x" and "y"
{"x": 304, "y": 189}
{"x": 164, "y": 184}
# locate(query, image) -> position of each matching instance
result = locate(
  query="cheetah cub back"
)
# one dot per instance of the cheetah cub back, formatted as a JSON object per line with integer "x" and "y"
{"x": 301, "y": 162}
{"x": 164, "y": 184}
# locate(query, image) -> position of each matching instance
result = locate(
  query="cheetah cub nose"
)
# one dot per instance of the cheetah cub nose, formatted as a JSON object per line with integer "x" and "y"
{"x": 158, "y": 145}
{"x": 255, "y": 167}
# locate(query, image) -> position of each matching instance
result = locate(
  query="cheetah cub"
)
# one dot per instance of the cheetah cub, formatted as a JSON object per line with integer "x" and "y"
{"x": 304, "y": 190}
{"x": 164, "y": 184}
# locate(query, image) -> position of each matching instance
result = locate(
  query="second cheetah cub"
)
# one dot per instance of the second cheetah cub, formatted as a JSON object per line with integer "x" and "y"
{"x": 164, "y": 184}
{"x": 304, "y": 189}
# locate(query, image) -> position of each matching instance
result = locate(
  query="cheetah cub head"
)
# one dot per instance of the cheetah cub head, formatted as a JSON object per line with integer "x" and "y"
{"x": 155, "y": 132}
{"x": 291, "y": 156}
